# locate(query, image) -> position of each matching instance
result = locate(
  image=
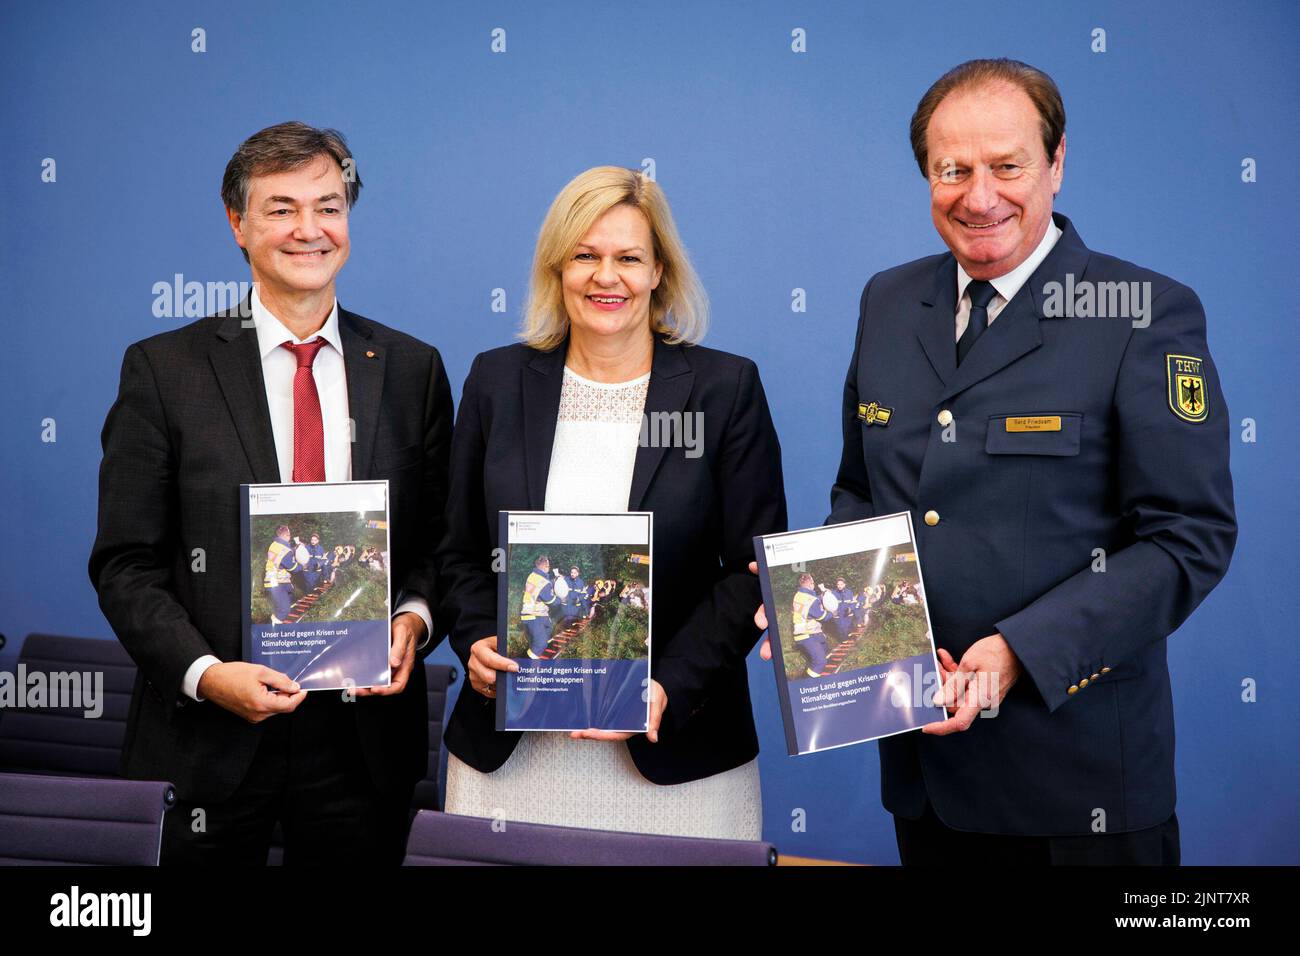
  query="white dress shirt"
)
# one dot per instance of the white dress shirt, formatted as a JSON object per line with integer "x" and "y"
{"x": 1005, "y": 286}
{"x": 279, "y": 366}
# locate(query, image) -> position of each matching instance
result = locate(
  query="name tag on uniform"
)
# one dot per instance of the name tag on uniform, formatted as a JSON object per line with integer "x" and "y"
{"x": 1035, "y": 423}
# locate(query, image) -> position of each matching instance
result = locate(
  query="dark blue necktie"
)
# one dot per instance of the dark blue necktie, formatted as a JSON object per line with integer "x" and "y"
{"x": 981, "y": 294}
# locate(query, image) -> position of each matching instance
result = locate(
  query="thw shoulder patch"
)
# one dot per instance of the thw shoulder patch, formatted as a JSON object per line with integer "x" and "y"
{"x": 1188, "y": 395}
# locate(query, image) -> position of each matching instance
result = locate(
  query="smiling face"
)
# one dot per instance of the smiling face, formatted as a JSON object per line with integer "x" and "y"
{"x": 609, "y": 277}
{"x": 991, "y": 182}
{"x": 295, "y": 229}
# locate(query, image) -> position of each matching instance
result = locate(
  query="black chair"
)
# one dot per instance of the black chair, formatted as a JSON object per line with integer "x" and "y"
{"x": 48, "y": 740}
{"x": 444, "y": 839}
{"x": 54, "y": 741}
{"x": 428, "y": 792}
{"x": 81, "y": 821}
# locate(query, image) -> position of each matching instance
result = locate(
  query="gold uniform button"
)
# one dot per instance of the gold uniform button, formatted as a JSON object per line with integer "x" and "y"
{"x": 1095, "y": 676}
{"x": 932, "y": 518}
{"x": 1073, "y": 689}
{"x": 945, "y": 417}
{"x": 1084, "y": 682}
{"x": 1105, "y": 670}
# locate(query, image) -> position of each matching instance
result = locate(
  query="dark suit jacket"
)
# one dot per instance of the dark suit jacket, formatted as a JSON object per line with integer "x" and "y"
{"x": 1089, "y": 726}
{"x": 190, "y": 424}
{"x": 707, "y": 510}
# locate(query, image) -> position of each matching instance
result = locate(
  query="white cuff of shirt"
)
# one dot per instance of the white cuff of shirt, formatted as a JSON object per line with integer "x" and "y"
{"x": 420, "y": 606}
{"x": 190, "y": 683}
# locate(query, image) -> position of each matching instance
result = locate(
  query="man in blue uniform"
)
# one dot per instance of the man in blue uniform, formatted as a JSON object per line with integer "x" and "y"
{"x": 808, "y": 618}
{"x": 535, "y": 609}
{"x": 278, "y": 578}
{"x": 315, "y": 569}
{"x": 1053, "y": 420}
{"x": 844, "y": 611}
{"x": 575, "y": 602}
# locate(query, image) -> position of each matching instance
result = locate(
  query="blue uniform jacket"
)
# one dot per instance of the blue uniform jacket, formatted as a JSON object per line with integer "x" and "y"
{"x": 846, "y": 597}
{"x": 1086, "y": 736}
{"x": 576, "y": 601}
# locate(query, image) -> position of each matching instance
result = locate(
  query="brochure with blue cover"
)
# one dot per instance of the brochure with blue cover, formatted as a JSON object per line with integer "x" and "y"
{"x": 574, "y": 612}
{"x": 317, "y": 589}
{"x": 850, "y": 632}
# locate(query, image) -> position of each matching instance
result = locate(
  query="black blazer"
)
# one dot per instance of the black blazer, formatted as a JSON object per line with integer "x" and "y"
{"x": 190, "y": 424}
{"x": 707, "y": 510}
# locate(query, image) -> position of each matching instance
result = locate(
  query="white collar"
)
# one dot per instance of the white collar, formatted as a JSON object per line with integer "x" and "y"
{"x": 272, "y": 333}
{"x": 1008, "y": 285}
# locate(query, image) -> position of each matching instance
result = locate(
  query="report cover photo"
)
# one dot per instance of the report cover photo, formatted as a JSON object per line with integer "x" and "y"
{"x": 316, "y": 582}
{"x": 574, "y": 611}
{"x": 852, "y": 646}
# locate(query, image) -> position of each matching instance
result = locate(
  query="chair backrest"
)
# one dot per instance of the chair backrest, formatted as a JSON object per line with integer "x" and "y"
{"x": 54, "y": 740}
{"x": 441, "y": 839}
{"x": 439, "y": 678}
{"x": 81, "y": 821}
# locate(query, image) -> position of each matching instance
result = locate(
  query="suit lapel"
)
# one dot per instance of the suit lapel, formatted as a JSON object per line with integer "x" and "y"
{"x": 938, "y": 326}
{"x": 364, "y": 364}
{"x": 543, "y": 378}
{"x": 1015, "y": 332}
{"x": 671, "y": 381}
{"x": 238, "y": 367}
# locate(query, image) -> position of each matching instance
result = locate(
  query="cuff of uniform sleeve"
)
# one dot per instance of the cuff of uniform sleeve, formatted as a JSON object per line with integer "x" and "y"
{"x": 190, "y": 682}
{"x": 417, "y": 605}
{"x": 1040, "y": 667}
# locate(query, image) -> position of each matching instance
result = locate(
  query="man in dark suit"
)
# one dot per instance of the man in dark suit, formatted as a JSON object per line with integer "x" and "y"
{"x": 1052, "y": 418}
{"x": 287, "y": 386}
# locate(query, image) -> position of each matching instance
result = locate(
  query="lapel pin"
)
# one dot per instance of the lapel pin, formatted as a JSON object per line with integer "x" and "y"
{"x": 370, "y": 355}
{"x": 874, "y": 414}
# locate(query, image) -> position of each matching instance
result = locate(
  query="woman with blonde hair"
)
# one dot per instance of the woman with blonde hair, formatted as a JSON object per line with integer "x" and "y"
{"x": 557, "y": 422}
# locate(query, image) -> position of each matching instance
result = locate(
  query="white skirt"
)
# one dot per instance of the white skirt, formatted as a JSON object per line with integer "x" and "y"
{"x": 552, "y": 778}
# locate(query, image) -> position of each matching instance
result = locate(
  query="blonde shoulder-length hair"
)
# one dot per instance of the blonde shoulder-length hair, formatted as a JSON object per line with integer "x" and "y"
{"x": 679, "y": 307}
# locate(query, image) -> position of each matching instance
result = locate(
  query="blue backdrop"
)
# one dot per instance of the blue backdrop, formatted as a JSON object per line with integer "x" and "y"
{"x": 786, "y": 170}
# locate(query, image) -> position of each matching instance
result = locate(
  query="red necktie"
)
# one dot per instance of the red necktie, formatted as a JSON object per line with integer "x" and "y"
{"x": 308, "y": 432}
